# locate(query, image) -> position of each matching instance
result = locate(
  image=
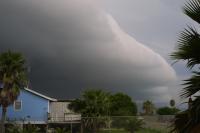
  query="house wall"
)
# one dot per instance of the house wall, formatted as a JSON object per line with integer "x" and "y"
{"x": 33, "y": 106}
{"x": 59, "y": 112}
{"x": 58, "y": 109}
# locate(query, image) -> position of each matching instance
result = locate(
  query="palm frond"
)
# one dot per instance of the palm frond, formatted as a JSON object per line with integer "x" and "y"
{"x": 192, "y": 86}
{"x": 12, "y": 75}
{"x": 187, "y": 121}
{"x": 188, "y": 48}
{"x": 179, "y": 123}
{"x": 192, "y": 9}
{"x": 195, "y": 110}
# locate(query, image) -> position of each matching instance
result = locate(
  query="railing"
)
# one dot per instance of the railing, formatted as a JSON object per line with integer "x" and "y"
{"x": 68, "y": 118}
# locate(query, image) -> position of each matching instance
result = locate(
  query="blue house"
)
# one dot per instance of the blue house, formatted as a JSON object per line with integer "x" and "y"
{"x": 30, "y": 107}
{"x": 35, "y": 108}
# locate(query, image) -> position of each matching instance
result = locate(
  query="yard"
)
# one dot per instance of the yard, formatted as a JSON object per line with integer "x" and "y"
{"x": 145, "y": 130}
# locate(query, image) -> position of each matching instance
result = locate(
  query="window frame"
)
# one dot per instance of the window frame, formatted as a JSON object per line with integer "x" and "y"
{"x": 15, "y": 105}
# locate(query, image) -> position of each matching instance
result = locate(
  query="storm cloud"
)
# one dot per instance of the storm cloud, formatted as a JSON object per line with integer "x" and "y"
{"x": 72, "y": 45}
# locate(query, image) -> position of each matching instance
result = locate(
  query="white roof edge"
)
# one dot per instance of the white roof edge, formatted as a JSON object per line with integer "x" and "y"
{"x": 41, "y": 95}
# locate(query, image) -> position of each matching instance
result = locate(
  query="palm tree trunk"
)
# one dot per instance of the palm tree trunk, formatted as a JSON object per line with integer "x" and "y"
{"x": 81, "y": 126}
{"x": 3, "y": 118}
{"x": 95, "y": 126}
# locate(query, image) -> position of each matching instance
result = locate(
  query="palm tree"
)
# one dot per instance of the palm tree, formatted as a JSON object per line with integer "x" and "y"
{"x": 148, "y": 107}
{"x": 189, "y": 50}
{"x": 12, "y": 78}
{"x": 172, "y": 103}
{"x": 94, "y": 107}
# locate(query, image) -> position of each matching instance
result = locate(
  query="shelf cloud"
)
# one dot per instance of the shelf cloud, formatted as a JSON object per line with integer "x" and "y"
{"x": 72, "y": 45}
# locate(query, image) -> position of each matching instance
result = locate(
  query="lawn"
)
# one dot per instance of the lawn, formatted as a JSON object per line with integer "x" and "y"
{"x": 146, "y": 130}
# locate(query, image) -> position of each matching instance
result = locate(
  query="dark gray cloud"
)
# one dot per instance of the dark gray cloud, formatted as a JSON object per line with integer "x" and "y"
{"x": 72, "y": 45}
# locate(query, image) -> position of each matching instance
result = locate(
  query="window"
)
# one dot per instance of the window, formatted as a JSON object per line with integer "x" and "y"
{"x": 18, "y": 105}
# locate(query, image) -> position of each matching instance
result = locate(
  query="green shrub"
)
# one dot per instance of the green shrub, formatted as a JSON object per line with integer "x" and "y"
{"x": 167, "y": 111}
{"x": 28, "y": 129}
{"x": 150, "y": 130}
{"x": 13, "y": 129}
{"x": 61, "y": 130}
{"x": 133, "y": 124}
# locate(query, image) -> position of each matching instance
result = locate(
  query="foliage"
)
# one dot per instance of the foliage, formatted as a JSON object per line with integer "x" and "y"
{"x": 12, "y": 78}
{"x": 133, "y": 124}
{"x": 122, "y": 105}
{"x": 100, "y": 103}
{"x": 13, "y": 129}
{"x": 96, "y": 106}
{"x": 167, "y": 111}
{"x": 28, "y": 129}
{"x": 189, "y": 50}
{"x": 61, "y": 130}
{"x": 192, "y": 9}
{"x": 93, "y": 105}
{"x": 148, "y": 107}
{"x": 119, "y": 122}
{"x": 172, "y": 103}
{"x": 149, "y": 130}
{"x": 130, "y": 124}
{"x": 113, "y": 131}
{"x": 143, "y": 130}
{"x": 77, "y": 105}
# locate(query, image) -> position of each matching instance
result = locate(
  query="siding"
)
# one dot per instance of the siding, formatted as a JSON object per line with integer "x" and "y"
{"x": 58, "y": 109}
{"x": 59, "y": 112}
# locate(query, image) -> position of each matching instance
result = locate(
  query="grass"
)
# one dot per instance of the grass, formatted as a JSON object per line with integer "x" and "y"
{"x": 149, "y": 130}
{"x": 113, "y": 131}
{"x": 146, "y": 130}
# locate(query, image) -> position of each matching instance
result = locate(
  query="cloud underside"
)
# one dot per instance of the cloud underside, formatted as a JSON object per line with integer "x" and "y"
{"x": 73, "y": 45}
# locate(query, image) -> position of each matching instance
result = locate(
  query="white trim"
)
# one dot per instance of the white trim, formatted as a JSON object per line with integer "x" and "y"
{"x": 30, "y": 122}
{"x": 48, "y": 107}
{"x": 41, "y": 95}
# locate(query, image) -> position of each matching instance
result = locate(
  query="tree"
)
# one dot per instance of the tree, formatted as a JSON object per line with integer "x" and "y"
{"x": 188, "y": 50}
{"x": 172, "y": 103}
{"x": 122, "y": 105}
{"x": 148, "y": 107}
{"x": 167, "y": 111}
{"x": 93, "y": 105}
{"x": 12, "y": 78}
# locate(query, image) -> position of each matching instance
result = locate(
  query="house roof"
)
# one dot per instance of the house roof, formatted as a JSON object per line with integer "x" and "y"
{"x": 65, "y": 100}
{"x": 40, "y": 95}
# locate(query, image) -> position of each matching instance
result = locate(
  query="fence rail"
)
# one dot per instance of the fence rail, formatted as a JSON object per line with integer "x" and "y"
{"x": 105, "y": 124}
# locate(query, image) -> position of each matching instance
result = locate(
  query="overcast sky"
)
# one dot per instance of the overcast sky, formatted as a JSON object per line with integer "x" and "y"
{"x": 116, "y": 45}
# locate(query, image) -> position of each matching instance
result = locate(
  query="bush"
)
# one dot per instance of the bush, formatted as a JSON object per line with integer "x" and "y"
{"x": 31, "y": 129}
{"x": 133, "y": 124}
{"x": 13, "y": 129}
{"x": 61, "y": 130}
{"x": 16, "y": 129}
{"x": 149, "y": 130}
{"x": 167, "y": 111}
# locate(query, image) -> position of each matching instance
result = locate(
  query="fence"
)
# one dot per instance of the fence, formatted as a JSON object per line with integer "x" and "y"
{"x": 107, "y": 124}
{"x": 119, "y": 124}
